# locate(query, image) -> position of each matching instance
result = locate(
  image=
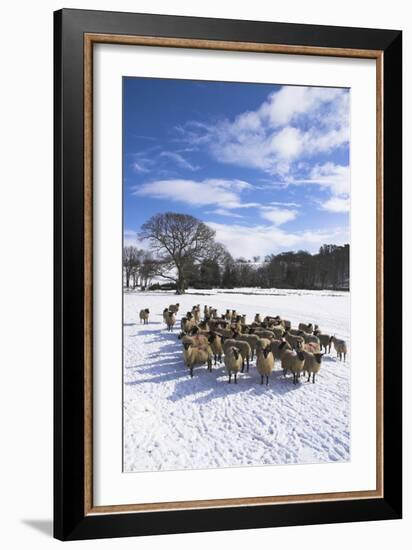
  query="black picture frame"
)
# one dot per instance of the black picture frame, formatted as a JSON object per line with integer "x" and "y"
{"x": 70, "y": 520}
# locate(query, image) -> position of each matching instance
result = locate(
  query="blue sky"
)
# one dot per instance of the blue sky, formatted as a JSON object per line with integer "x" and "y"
{"x": 266, "y": 166}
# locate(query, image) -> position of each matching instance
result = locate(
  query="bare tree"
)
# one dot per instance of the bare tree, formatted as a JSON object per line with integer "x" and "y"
{"x": 179, "y": 241}
{"x": 131, "y": 262}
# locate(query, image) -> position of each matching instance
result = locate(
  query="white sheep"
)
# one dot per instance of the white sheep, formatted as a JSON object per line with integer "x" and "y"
{"x": 340, "y": 347}
{"x": 144, "y": 316}
{"x": 174, "y": 308}
{"x": 265, "y": 363}
{"x": 258, "y": 318}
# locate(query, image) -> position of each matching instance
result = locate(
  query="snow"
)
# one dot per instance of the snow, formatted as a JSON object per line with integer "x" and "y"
{"x": 174, "y": 422}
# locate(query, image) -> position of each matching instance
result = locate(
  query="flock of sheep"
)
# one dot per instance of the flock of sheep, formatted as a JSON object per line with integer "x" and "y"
{"x": 209, "y": 338}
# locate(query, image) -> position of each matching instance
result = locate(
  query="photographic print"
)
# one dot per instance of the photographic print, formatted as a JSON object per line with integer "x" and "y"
{"x": 236, "y": 274}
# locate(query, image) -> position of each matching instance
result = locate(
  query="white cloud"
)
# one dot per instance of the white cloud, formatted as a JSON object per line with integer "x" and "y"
{"x": 141, "y": 166}
{"x": 223, "y": 212}
{"x": 179, "y": 160}
{"x": 277, "y": 215}
{"x": 337, "y": 205}
{"x": 294, "y": 123}
{"x": 261, "y": 240}
{"x": 130, "y": 239}
{"x": 221, "y": 192}
{"x": 334, "y": 176}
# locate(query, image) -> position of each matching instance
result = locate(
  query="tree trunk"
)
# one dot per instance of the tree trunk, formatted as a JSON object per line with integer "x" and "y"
{"x": 180, "y": 283}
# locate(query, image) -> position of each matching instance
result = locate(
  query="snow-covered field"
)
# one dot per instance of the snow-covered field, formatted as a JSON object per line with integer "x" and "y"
{"x": 173, "y": 422}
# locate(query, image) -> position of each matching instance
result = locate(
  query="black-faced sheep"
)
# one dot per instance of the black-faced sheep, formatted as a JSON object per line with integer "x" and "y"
{"x": 144, "y": 316}
{"x": 233, "y": 362}
{"x": 295, "y": 341}
{"x": 251, "y": 339}
{"x": 170, "y": 321}
{"x": 306, "y": 327}
{"x": 165, "y": 314}
{"x": 243, "y": 347}
{"x": 293, "y": 361}
{"x": 265, "y": 363}
{"x": 278, "y": 347}
{"x": 312, "y": 364}
{"x": 197, "y": 355}
{"x": 215, "y": 342}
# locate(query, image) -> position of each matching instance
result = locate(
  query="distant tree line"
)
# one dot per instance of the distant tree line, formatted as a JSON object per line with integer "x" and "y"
{"x": 185, "y": 254}
{"x": 139, "y": 267}
{"x": 329, "y": 268}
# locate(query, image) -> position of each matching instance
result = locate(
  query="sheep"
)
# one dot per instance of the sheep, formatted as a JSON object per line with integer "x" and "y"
{"x": 265, "y": 363}
{"x": 251, "y": 339}
{"x": 196, "y": 331}
{"x": 196, "y": 340}
{"x": 224, "y": 332}
{"x": 258, "y": 318}
{"x": 170, "y": 321}
{"x": 278, "y": 347}
{"x": 144, "y": 316}
{"x": 186, "y": 324}
{"x": 310, "y": 338}
{"x": 206, "y": 312}
{"x": 312, "y": 347}
{"x": 286, "y": 324}
{"x": 174, "y": 308}
{"x": 262, "y": 343}
{"x": 216, "y": 346}
{"x": 293, "y": 361}
{"x": 243, "y": 347}
{"x": 306, "y": 328}
{"x": 295, "y": 332}
{"x": 228, "y": 315}
{"x": 340, "y": 347}
{"x": 213, "y": 313}
{"x": 243, "y": 320}
{"x": 204, "y": 325}
{"x": 324, "y": 340}
{"x": 197, "y": 355}
{"x": 238, "y": 327}
{"x": 233, "y": 316}
{"x": 312, "y": 364}
{"x": 294, "y": 341}
{"x": 196, "y": 313}
{"x": 278, "y": 331}
{"x": 233, "y": 362}
{"x": 273, "y": 320}
{"x": 165, "y": 314}
{"x": 263, "y": 333}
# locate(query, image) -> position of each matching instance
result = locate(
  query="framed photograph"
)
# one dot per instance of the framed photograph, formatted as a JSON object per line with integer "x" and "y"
{"x": 227, "y": 274}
